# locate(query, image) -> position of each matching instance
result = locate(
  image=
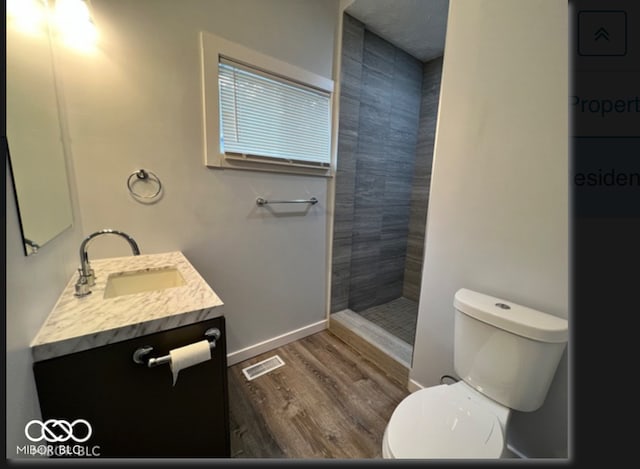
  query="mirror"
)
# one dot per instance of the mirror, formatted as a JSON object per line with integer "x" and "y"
{"x": 34, "y": 143}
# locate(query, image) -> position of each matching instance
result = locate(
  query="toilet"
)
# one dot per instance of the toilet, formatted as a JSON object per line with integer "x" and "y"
{"x": 506, "y": 356}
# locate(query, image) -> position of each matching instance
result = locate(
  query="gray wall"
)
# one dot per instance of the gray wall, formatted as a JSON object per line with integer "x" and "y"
{"x": 33, "y": 283}
{"x": 136, "y": 102}
{"x": 431, "y": 77}
{"x": 379, "y": 115}
{"x": 349, "y": 119}
{"x": 498, "y": 219}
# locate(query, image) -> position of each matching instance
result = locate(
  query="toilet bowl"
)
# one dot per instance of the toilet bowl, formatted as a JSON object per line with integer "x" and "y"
{"x": 446, "y": 421}
{"x": 506, "y": 356}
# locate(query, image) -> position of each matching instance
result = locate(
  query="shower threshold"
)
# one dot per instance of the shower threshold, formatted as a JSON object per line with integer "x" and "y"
{"x": 383, "y": 348}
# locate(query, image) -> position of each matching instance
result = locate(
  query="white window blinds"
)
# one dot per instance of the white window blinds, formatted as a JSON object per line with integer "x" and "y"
{"x": 265, "y": 115}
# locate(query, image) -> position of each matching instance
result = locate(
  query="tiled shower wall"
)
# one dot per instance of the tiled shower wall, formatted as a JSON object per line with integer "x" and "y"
{"x": 381, "y": 89}
{"x": 432, "y": 72}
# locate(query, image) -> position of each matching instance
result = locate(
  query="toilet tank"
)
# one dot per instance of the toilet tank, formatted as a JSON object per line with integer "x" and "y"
{"x": 506, "y": 351}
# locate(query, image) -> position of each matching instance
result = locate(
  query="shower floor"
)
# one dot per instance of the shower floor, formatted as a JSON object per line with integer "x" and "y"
{"x": 398, "y": 317}
{"x": 390, "y": 327}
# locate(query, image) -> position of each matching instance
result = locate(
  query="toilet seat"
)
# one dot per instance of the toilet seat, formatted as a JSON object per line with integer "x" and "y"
{"x": 443, "y": 422}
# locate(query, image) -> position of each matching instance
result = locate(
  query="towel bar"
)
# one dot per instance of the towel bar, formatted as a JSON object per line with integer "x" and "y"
{"x": 260, "y": 201}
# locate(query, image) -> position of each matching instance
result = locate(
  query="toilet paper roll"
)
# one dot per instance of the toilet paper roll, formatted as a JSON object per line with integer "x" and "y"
{"x": 189, "y": 355}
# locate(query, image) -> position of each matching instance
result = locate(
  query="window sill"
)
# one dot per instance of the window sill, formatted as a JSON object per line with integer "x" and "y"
{"x": 243, "y": 162}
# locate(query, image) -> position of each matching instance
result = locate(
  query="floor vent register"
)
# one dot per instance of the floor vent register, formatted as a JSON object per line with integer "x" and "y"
{"x": 263, "y": 367}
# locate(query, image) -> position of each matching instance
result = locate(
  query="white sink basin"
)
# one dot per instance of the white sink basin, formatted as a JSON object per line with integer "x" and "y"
{"x": 138, "y": 281}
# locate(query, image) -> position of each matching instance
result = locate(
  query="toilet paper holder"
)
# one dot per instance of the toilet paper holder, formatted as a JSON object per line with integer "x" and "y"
{"x": 140, "y": 356}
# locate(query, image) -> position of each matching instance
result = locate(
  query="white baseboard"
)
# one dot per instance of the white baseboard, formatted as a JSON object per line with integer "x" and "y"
{"x": 413, "y": 386}
{"x": 275, "y": 342}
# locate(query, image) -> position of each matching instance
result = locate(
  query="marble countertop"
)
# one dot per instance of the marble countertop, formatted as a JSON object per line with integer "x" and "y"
{"x": 82, "y": 323}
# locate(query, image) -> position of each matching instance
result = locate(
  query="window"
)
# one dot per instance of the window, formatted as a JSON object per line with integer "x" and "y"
{"x": 264, "y": 114}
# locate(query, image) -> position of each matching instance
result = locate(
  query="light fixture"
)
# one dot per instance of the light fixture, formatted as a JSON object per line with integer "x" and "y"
{"x": 71, "y": 20}
{"x": 28, "y": 16}
{"x": 74, "y": 24}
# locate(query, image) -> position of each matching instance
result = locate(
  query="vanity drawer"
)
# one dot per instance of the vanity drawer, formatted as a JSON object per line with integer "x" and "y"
{"x": 136, "y": 411}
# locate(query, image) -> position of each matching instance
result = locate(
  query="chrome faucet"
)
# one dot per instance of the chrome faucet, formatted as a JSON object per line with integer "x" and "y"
{"x": 86, "y": 276}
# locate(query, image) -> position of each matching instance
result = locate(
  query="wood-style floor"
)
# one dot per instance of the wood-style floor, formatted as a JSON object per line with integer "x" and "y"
{"x": 327, "y": 401}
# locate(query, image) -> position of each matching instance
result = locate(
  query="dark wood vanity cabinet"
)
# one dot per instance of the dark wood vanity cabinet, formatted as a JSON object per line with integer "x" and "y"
{"x": 136, "y": 411}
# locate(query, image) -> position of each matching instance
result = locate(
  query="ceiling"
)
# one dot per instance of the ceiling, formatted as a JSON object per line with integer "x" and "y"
{"x": 415, "y": 26}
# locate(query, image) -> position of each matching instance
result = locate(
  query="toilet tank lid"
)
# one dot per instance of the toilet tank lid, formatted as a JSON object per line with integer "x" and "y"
{"x": 511, "y": 317}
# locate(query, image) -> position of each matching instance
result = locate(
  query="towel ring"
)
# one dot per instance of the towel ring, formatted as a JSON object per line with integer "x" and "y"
{"x": 143, "y": 175}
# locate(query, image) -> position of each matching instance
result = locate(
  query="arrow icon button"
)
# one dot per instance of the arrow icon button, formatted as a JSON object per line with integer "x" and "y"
{"x": 601, "y": 33}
